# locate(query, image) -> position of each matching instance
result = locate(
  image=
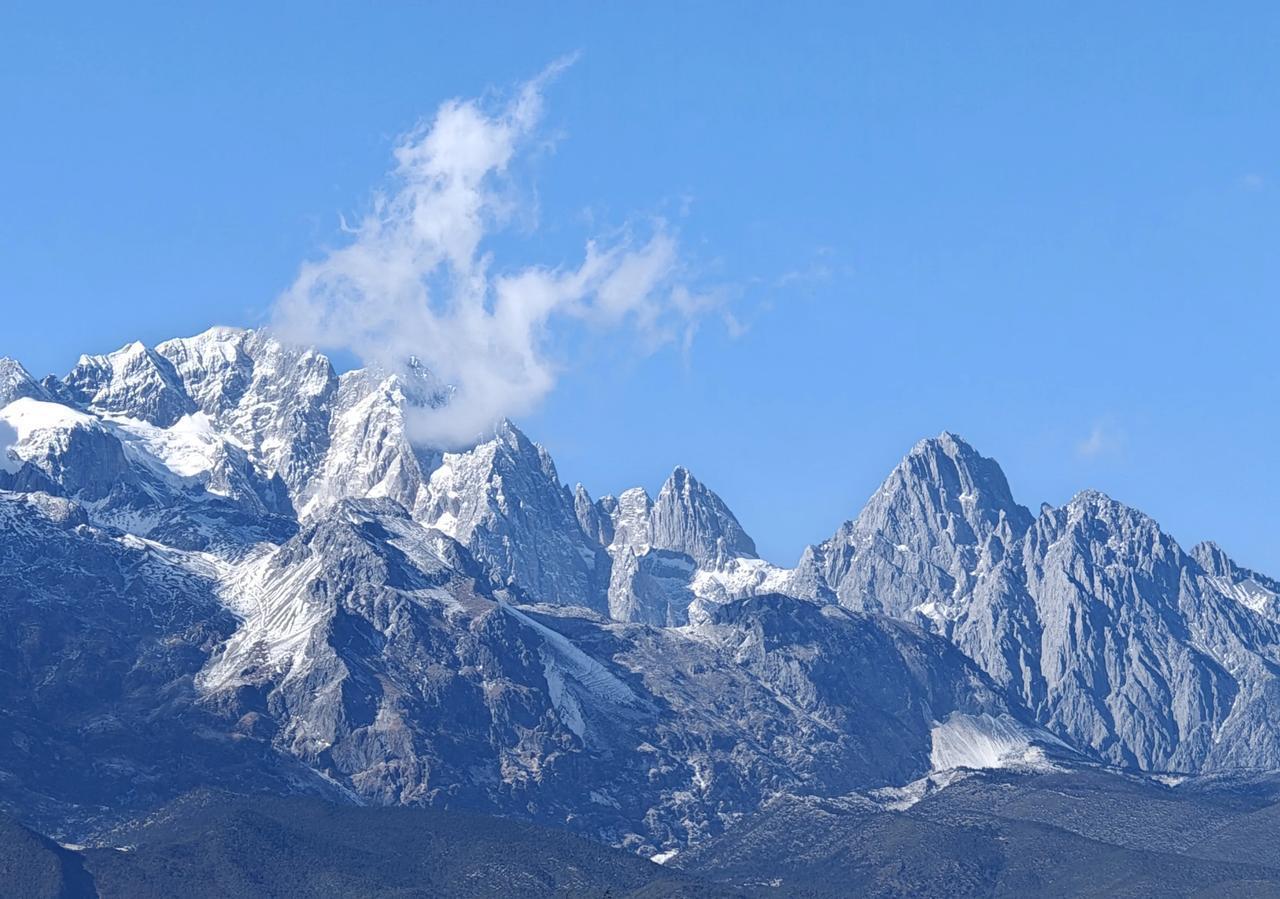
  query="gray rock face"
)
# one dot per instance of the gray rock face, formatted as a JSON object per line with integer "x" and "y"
{"x": 654, "y": 587}
{"x": 595, "y": 522}
{"x": 374, "y": 650}
{"x": 688, "y": 518}
{"x": 119, "y": 470}
{"x": 75, "y": 457}
{"x": 504, "y": 502}
{"x": 1141, "y": 656}
{"x": 1119, "y": 642}
{"x": 100, "y": 639}
{"x": 671, "y": 552}
{"x": 15, "y": 383}
{"x": 847, "y": 669}
{"x": 1256, "y": 591}
{"x": 366, "y": 651}
{"x": 273, "y": 399}
{"x": 132, "y": 381}
{"x": 368, "y": 448}
{"x": 944, "y": 514}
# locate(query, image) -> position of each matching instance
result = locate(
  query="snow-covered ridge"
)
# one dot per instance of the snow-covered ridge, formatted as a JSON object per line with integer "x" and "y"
{"x": 31, "y": 417}
{"x": 231, "y": 447}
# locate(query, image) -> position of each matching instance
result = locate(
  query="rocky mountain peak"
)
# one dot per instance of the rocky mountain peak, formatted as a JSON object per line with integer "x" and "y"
{"x": 945, "y": 479}
{"x": 594, "y": 521}
{"x": 691, "y": 519}
{"x": 133, "y": 381}
{"x": 630, "y": 519}
{"x": 1212, "y": 558}
{"x": 943, "y": 516}
{"x": 275, "y": 399}
{"x": 16, "y": 383}
{"x": 503, "y": 501}
{"x": 1110, "y": 529}
{"x": 1255, "y": 591}
{"x": 216, "y": 366}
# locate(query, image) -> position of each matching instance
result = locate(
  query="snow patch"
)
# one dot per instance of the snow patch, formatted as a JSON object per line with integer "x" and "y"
{"x": 1250, "y": 594}
{"x": 278, "y": 618}
{"x": 938, "y": 613}
{"x": 41, "y": 429}
{"x": 187, "y": 448}
{"x": 571, "y": 662}
{"x": 899, "y": 799}
{"x": 738, "y": 578}
{"x": 982, "y": 741}
{"x": 30, "y": 416}
{"x": 565, "y": 703}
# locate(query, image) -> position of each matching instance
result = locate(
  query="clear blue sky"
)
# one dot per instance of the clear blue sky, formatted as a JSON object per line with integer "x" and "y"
{"x": 1052, "y": 228}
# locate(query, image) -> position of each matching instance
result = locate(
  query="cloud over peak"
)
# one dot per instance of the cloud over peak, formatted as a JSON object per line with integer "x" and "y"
{"x": 415, "y": 278}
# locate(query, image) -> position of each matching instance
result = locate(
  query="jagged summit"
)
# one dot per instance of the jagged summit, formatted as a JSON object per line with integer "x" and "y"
{"x": 1255, "y": 591}
{"x": 942, "y": 515}
{"x": 133, "y": 381}
{"x": 16, "y": 383}
{"x": 687, "y": 517}
{"x": 948, "y": 442}
{"x": 948, "y": 466}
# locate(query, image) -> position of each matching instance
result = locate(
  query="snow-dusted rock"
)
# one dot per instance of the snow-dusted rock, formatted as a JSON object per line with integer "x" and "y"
{"x": 682, "y": 548}
{"x": 133, "y": 381}
{"x": 273, "y": 399}
{"x": 16, "y": 383}
{"x": 504, "y": 502}
{"x": 940, "y": 519}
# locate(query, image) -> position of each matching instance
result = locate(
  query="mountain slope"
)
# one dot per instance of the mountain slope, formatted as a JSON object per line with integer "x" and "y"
{"x": 214, "y": 844}
{"x": 1005, "y": 834}
{"x": 1118, "y": 641}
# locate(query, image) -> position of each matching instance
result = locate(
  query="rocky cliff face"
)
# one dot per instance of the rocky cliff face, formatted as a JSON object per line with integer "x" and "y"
{"x": 944, "y": 515}
{"x": 503, "y": 500}
{"x": 670, "y": 554}
{"x": 101, "y": 637}
{"x": 1117, "y": 640}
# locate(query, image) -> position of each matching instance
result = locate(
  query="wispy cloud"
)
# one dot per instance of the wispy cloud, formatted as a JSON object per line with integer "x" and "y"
{"x": 1253, "y": 181}
{"x": 822, "y": 268}
{"x": 1102, "y": 439}
{"x": 416, "y": 279}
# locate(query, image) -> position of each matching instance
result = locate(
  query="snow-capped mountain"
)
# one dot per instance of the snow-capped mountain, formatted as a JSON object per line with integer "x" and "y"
{"x": 221, "y": 549}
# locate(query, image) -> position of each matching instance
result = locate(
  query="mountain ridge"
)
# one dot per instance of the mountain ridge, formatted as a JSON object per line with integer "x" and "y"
{"x": 392, "y": 623}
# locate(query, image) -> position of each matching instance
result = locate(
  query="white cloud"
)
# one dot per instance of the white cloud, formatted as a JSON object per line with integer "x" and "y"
{"x": 1253, "y": 181}
{"x": 415, "y": 278}
{"x": 1101, "y": 440}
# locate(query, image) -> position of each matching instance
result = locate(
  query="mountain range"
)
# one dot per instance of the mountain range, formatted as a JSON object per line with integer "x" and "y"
{"x": 227, "y": 566}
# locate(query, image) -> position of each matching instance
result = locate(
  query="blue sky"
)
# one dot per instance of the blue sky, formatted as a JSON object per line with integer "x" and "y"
{"x": 1050, "y": 228}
